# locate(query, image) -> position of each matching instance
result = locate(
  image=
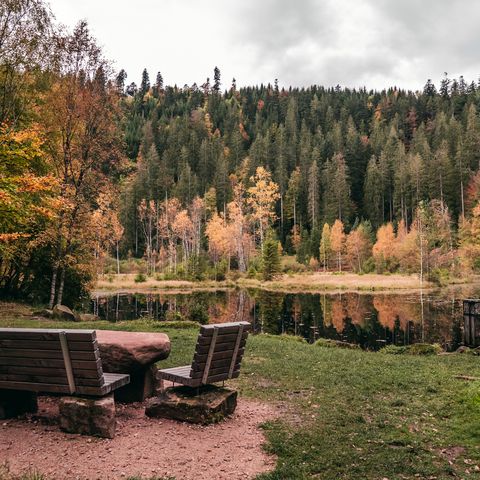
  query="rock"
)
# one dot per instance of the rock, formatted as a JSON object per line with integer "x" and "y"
{"x": 88, "y": 416}
{"x": 16, "y": 402}
{"x": 134, "y": 353}
{"x": 61, "y": 312}
{"x": 125, "y": 352}
{"x": 211, "y": 405}
{"x": 88, "y": 317}
{"x": 462, "y": 349}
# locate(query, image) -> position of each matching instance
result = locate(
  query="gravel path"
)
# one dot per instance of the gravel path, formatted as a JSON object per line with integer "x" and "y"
{"x": 142, "y": 446}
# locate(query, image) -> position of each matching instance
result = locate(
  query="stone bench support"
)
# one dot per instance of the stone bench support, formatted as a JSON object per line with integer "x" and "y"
{"x": 205, "y": 405}
{"x": 88, "y": 416}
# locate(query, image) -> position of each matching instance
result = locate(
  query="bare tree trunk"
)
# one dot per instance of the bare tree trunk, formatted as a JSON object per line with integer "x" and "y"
{"x": 53, "y": 286}
{"x": 60, "y": 288}
{"x": 118, "y": 260}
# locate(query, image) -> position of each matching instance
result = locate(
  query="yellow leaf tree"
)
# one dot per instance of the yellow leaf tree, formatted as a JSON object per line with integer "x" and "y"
{"x": 261, "y": 198}
{"x": 337, "y": 238}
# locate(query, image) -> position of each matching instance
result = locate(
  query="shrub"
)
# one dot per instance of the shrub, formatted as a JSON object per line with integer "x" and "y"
{"x": 199, "y": 314}
{"x": 140, "y": 278}
{"x": 415, "y": 349}
{"x": 290, "y": 265}
{"x": 440, "y": 276}
{"x": 330, "y": 343}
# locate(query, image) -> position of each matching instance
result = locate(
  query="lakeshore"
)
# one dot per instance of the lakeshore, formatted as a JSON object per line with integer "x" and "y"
{"x": 311, "y": 282}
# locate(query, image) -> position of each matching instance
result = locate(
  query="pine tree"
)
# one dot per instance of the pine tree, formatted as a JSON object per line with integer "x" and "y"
{"x": 216, "y": 80}
{"x": 270, "y": 258}
{"x": 145, "y": 84}
{"x": 336, "y": 197}
{"x": 313, "y": 194}
{"x": 373, "y": 193}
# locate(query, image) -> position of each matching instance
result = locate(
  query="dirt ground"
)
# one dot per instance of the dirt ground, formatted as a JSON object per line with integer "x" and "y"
{"x": 142, "y": 446}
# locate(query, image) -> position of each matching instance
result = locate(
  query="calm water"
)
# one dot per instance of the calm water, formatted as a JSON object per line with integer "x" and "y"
{"x": 370, "y": 320}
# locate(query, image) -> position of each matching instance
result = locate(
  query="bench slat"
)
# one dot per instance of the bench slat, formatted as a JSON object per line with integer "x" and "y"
{"x": 41, "y": 334}
{"x": 201, "y": 358}
{"x": 219, "y": 347}
{"x": 35, "y": 387}
{"x": 202, "y": 340}
{"x": 60, "y": 380}
{"x": 199, "y": 366}
{"x": 230, "y": 327}
{"x": 48, "y": 354}
{"x": 214, "y": 371}
{"x": 46, "y": 345}
{"x": 94, "y": 365}
{"x": 23, "y": 370}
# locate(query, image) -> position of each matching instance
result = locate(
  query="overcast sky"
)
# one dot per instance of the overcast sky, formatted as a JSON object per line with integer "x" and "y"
{"x": 372, "y": 43}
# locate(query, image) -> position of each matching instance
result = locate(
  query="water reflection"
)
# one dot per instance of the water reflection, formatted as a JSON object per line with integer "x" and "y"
{"x": 370, "y": 320}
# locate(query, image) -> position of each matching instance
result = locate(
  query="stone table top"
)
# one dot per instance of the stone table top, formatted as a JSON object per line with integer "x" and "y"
{"x": 127, "y": 352}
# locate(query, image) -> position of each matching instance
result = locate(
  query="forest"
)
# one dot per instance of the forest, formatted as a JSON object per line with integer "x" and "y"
{"x": 209, "y": 180}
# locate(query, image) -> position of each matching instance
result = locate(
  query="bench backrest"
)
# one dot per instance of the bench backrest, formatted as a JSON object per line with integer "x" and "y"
{"x": 219, "y": 351}
{"x": 50, "y": 360}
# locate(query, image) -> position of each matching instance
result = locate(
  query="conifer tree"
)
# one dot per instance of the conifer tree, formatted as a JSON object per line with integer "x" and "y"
{"x": 313, "y": 194}
{"x": 270, "y": 258}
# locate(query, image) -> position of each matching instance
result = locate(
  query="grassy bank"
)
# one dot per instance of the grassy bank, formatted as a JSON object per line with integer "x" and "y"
{"x": 349, "y": 413}
{"x": 299, "y": 282}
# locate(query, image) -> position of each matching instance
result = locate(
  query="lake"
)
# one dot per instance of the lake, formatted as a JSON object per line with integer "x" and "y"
{"x": 370, "y": 320}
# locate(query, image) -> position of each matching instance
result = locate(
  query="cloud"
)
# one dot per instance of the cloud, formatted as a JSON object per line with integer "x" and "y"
{"x": 372, "y": 43}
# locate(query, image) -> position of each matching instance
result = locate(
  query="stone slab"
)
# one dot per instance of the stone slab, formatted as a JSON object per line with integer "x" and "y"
{"x": 125, "y": 352}
{"x": 88, "y": 416}
{"x": 209, "y": 404}
{"x": 14, "y": 403}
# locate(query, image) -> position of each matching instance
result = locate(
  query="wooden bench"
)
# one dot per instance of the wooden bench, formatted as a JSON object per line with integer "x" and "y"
{"x": 58, "y": 362}
{"x": 218, "y": 356}
{"x": 54, "y": 361}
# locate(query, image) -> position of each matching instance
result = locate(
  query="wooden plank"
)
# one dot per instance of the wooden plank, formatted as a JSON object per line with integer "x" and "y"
{"x": 35, "y": 387}
{"x": 222, "y": 377}
{"x": 25, "y": 370}
{"x": 38, "y": 334}
{"x": 224, "y": 362}
{"x": 46, "y": 345}
{"x": 48, "y": 354}
{"x": 202, "y": 358}
{"x": 219, "y": 347}
{"x": 214, "y": 371}
{"x": 221, "y": 338}
{"x": 177, "y": 370}
{"x": 95, "y": 366}
{"x": 59, "y": 380}
{"x": 116, "y": 381}
{"x": 184, "y": 380}
{"x": 231, "y": 327}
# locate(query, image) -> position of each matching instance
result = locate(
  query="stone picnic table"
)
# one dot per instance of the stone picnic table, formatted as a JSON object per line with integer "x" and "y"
{"x": 134, "y": 353}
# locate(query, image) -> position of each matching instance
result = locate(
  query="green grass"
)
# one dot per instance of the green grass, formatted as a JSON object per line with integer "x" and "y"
{"x": 349, "y": 414}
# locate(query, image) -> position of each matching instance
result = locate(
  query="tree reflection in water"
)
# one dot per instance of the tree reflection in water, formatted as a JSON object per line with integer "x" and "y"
{"x": 371, "y": 320}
